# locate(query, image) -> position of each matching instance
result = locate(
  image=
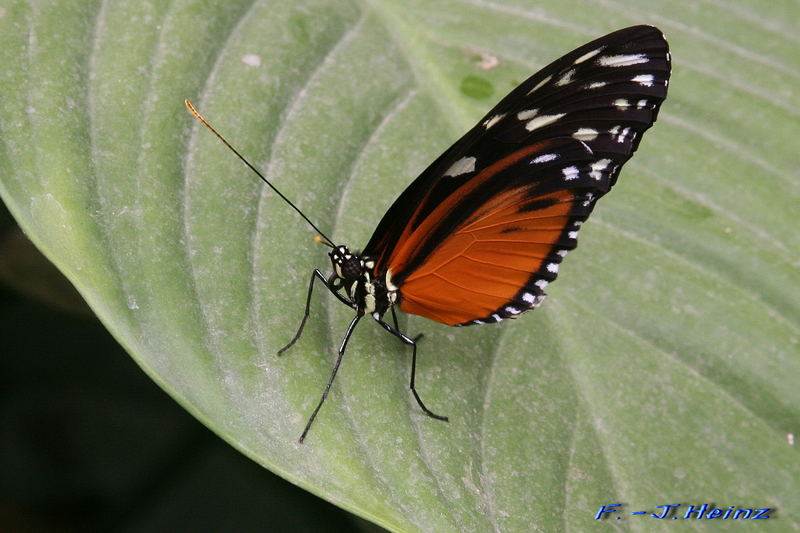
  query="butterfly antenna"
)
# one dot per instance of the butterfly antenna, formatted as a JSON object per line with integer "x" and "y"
{"x": 199, "y": 117}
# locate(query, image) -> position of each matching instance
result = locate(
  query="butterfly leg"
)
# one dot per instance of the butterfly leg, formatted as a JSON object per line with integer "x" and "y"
{"x": 329, "y": 284}
{"x": 408, "y": 340}
{"x": 417, "y": 337}
{"x": 347, "y": 334}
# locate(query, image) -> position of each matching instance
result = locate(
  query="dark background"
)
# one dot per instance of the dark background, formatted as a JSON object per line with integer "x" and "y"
{"x": 89, "y": 443}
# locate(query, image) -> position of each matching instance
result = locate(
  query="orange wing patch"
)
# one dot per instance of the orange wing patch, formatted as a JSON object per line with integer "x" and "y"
{"x": 484, "y": 264}
{"x": 411, "y": 239}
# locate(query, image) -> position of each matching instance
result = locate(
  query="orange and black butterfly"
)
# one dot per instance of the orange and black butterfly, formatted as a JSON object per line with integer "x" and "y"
{"x": 481, "y": 232}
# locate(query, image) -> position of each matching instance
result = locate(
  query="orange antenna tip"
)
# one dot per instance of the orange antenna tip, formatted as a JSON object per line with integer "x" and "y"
{"x": 322, "y": 240}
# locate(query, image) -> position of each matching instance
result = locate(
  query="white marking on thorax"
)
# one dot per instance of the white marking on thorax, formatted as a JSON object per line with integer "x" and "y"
{"x": 369, "y": 303}
{"x": 389, "y": 285}
{"x": 369, "y": 297}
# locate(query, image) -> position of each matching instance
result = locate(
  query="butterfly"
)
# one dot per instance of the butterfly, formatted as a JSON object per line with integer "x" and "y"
{"x": 479, "y": 235}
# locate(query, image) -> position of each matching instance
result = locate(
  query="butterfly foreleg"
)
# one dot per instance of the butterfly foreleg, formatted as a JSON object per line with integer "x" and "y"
{"x": 338, "y": 362}
{"x": 408, "y": 340}
{"x": 330, "y": 285}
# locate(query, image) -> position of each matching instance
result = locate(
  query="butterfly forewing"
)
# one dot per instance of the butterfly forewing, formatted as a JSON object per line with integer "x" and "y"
{"x": 479, "y": 234}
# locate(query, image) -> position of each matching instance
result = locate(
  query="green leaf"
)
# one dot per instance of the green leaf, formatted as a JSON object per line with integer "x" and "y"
{"x": 664, "y": 366}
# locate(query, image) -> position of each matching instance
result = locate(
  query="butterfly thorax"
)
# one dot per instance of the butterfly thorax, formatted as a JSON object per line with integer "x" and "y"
{"x": 371, "y": 294}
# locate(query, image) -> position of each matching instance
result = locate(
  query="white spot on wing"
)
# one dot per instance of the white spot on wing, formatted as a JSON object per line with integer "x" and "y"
{"x": 512, "y": 310}
{"x": 528, "y": 298}
{"x": 563, "y": 253}
{"x": 597, "y": 84}
{"x": 641, "y": 104}
{"x": 585, "y": 134}
{"x": 545, "y": 158}
{"x": 493, "y": 120}
{"x": 552, "y": 267}
{"x": 542, "y": 283}
{"x": 598, "y": 167}
{"x": 621, "y": 104}
{"x": 644, "y": 79}
{"x": 540, "y": 84}
{"x": 542, "y": 121}
{"x": 572, "y": 234}
{"x": 462, "y": 166}
{"x": 528, "y": 113}
{"x": 588, "y": 55}
{"x": 570, "y": 173}
{"x": 497, "y": 317}
{"x": 622, "y": 60}
{"x": 566, "y": 78}
{"x": 621, "y": 138}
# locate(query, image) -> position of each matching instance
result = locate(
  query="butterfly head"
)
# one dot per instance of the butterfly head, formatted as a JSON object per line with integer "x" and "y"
{"x": 346, "y": 264}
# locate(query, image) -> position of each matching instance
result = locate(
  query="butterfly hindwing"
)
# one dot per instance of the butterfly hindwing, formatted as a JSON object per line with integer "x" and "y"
{"x": 479, "y": 234}
{"x": 496, "y": 262}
